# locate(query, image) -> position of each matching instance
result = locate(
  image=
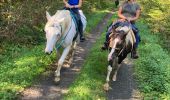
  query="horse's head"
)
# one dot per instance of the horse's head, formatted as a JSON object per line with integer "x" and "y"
{"x": 53, "y": 32}
{"x": 119, "y": 34}
{"x": 118, "y": 39}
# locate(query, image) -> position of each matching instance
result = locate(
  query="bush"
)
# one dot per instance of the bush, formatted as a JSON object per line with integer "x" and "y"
{"x": 153, "y": 68}
{"x": 156, "y": 13}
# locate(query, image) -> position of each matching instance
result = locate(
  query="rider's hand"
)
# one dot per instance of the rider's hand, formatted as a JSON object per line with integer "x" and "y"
{"x": 129, "y": 19}
{"x": 122, "y": 20}
{"x": 68, "y": 6}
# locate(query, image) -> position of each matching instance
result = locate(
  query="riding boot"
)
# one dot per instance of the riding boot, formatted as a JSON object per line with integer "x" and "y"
{"x": 134, "y": 54}
{"x": 105, "y": 46}
{"x": 82, "y": 38}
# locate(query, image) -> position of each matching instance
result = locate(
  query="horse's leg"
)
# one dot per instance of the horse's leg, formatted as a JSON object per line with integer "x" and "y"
{"x": 118, "y": 61}
{"x": 117, "y": 66}
{"x": 111, "y": 58}
{"x": 72, "y": 52}
{"x": 109, "y": 69}
{"x": 60, "y": 63}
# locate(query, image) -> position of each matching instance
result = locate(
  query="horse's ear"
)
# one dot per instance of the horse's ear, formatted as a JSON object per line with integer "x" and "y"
{"x": 48, "y": 16}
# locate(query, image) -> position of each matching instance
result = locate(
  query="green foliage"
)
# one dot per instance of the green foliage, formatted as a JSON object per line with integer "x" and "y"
{"x": 29, "y": 15}
{"x": 153, "y": 67}
{"x": 20, "y": 68}
{"x": 156, "y": 13}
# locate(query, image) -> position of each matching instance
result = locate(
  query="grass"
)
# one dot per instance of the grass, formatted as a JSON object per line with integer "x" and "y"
{"x": 21, "y": 68}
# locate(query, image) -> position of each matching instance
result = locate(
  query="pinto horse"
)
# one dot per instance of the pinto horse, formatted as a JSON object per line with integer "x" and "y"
{"x": 60, "y": 31}
{"x": 121, "y": 43}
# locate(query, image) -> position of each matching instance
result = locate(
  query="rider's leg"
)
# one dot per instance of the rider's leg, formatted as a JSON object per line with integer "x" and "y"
{"x": 82, "y": 38}
{"x": 79, "y": 23}
{"x": 80, "y": 26}
{"x": 137, "y": 36}
{"x": 106, "y": 43}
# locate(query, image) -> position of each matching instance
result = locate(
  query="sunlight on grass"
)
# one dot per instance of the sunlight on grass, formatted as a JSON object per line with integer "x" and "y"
{"x": 19, "y": 72}
{"x": 25, "y": 61}
{"x": 10, "y": 86}
{"x": 81, "y": 90}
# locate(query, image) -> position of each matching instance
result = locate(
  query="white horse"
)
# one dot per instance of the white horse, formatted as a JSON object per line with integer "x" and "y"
{"x": 60, "y": 29}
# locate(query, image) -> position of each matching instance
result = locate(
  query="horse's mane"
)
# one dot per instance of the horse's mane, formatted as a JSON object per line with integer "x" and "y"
{"x": 63, "y": 18}
{"x": 61, "y": 14}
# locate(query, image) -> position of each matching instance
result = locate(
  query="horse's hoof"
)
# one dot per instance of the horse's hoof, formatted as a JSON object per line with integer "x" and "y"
{"x": 114, "y": 78}
{"x": 106, "y": 87}
{"x": 57, "y": 80}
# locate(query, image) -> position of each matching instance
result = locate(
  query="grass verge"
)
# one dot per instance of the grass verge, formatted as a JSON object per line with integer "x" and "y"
{"x": 152, "y": 68}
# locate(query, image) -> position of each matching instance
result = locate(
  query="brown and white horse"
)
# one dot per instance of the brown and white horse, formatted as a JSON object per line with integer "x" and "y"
{"x": 121, "y": 43}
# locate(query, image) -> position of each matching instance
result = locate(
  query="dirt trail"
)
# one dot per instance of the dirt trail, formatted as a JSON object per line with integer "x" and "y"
{"x": 124, "y": 88}
{"x": 45, "y": 89}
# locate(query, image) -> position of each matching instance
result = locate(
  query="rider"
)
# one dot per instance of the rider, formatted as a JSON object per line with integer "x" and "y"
{"x": 128, "y": 11}
{"x": 74, "y": 6}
